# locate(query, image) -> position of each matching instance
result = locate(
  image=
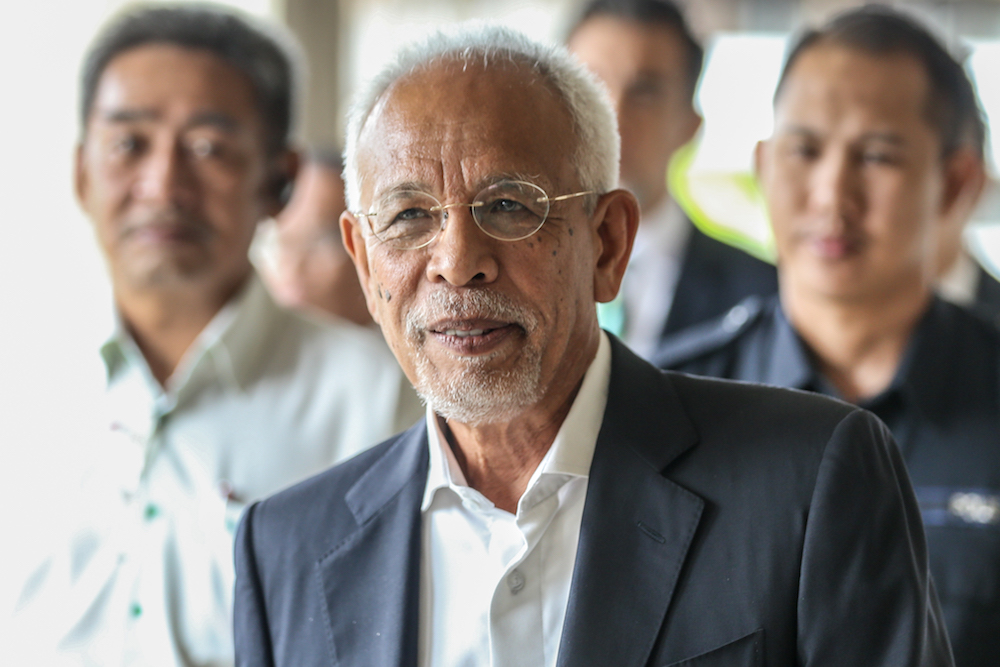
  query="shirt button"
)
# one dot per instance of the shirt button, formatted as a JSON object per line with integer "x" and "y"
{"x": 135, "y": 610}
{"x": 151, "y": 512}
{"x": 515, "y": 581}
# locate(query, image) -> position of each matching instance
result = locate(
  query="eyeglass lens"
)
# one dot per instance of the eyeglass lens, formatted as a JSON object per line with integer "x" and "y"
{"x": 509, "y": 210}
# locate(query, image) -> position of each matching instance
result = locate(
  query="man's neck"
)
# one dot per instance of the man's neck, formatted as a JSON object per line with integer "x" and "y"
{"x": 165, "y": 322}
{"x": 653, "y": 204}
{"x": 858, "y": 345}
{"x": 498, "y": 459}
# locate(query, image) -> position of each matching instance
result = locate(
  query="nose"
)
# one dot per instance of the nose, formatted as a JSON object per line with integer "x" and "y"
{"x": 462, "y": 254}
{"x": 165, "y": 177}
{"x": 834, "y": 191}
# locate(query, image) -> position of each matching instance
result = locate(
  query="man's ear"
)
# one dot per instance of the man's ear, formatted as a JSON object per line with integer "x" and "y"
{"x": 80, "y": 176}
{"x": 760, "y": 158}
{"x": 354, "y": 242}
{"x": 617, "y": 220}
{"x": 284, "y": 167}
{"x": 964, "y": 181}
{"x": 694, "y": 123}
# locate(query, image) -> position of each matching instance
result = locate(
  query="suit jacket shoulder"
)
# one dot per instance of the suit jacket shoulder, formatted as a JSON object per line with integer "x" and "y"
{"x": 711, "y": 348}
{"x": 713, "y": 278}
{"x": 302, "y": 596}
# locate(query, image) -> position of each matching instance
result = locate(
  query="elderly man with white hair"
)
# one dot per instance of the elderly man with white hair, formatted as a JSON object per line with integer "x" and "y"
{"x": 563, "y": 503}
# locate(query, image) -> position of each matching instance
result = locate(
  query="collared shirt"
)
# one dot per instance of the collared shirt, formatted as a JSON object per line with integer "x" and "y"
{"x": 959, "y": 285}
{"x": 495, "y": 585}
{"x": 943, "y": 408}
{"x": 262, "y": 399}
{"x": 649, "y": 282}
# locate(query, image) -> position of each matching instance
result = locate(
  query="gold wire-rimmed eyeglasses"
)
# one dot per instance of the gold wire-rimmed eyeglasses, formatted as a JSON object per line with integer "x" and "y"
{"x": 507, "y": 210}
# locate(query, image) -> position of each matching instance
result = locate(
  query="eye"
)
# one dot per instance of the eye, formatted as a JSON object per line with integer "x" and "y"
{"x": 203, "y": 147}
{"x": 408, "y": 222}
{"x": 879, "y": 158}
{"x": 646, "y": 91}
{"x": 505, "y": 206}
{"x": 411, "y": 214}
{"x": 126, "y": 144}
{"x": 803, "y": 150}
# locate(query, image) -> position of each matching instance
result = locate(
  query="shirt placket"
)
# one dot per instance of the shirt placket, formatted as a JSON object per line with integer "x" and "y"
{"x": 516, "y": 618}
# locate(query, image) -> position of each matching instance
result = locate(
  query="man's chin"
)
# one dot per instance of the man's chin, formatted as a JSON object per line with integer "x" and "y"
{"x": 475, "y": 394}
{"x": 164, "y": 273}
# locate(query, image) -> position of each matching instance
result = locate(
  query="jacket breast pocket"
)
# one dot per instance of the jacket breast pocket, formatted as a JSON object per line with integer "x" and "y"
{"x": 747, "y": 651}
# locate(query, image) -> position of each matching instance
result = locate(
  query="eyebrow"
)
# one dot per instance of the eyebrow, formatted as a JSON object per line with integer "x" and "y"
{"x": 885, "y": 137}
{"x": 129, "y": 115}
{"x": 492, "y": 179}
{"x": 214, "y": 119}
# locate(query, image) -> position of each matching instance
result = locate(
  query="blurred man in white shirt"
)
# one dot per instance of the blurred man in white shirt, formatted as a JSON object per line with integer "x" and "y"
{"x": 213, "y": 395}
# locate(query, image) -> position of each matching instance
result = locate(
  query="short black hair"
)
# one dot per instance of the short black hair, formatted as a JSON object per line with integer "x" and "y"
{"x": 268, "y": 63}
{"x": 651, "y": 12}
{"x": 952, "y": 105}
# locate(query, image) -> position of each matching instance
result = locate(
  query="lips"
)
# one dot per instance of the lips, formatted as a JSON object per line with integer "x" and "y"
{"x": 474, "y": 336}
{"x": 834, "y": 247}
{"x": 469, "y": 323}
{"x": 464, "y": 334}
{"x": 169, "y": 228}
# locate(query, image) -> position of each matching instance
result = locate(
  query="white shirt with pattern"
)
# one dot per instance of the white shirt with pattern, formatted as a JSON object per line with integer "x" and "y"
{"x": 262, "y": 399}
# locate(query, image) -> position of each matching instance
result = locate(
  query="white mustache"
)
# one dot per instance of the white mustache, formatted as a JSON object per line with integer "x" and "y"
{"x": 475, "y": 304}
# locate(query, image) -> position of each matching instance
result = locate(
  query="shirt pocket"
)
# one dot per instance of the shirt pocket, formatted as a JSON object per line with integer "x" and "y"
{"x": 963, "y": 541}
{"x": 747, "y": 651}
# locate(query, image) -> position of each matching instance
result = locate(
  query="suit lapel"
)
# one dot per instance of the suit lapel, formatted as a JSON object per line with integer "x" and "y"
{"x": 697, "y": 285}
{"x": 371, "y": 581}
{"x": 637, "y": 525}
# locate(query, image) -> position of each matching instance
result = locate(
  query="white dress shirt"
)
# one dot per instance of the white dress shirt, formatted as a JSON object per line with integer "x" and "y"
{"x": 960, "y": 282}
{"x": 495, "y": 585}
{"x": 262, "y": 399}
{"x": 652, "y": 274}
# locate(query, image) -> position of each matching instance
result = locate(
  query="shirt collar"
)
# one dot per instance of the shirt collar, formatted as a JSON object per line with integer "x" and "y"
{"x": 662, "y": 233}
{"x": 232, "y": 342}
{"x": 788, "y": 362}
{"x": 920, "y": 377}
{"x": 571, "y": 452}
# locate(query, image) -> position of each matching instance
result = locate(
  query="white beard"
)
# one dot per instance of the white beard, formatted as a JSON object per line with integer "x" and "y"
{"x": 476, "y": 395}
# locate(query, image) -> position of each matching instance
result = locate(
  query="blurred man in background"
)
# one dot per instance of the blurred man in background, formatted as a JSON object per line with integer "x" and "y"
{"x": 214, "y": 396}
{"x": 309, "y": 267}
{"x": 875, "y": 161}
{"x": 645, "y": 54}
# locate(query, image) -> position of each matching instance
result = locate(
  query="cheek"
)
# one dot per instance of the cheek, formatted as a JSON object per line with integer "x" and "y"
{"x": 392, "y": 281}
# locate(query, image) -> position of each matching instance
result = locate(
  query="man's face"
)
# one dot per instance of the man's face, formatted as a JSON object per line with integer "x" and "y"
{"x": 853, "y": 176}
{"x": 644, "y": 68}
{"x": 172, "y": 169}
{"x": 483, "y": 328}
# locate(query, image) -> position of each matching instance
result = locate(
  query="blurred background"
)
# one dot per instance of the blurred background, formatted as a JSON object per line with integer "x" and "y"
{"x": 53, "y": 280}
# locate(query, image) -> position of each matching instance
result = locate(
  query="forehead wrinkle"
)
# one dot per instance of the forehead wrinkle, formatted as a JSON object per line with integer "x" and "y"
{"x": 433, "y": 126}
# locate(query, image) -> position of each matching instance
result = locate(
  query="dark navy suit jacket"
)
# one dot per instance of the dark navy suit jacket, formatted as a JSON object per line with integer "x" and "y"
{"x": 713, "y": 278}
{"x": 724, "y": 525}
{"x": 943, "y": 407}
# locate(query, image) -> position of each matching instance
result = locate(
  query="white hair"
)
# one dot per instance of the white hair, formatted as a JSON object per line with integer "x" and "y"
{"x": 598, "y": 146}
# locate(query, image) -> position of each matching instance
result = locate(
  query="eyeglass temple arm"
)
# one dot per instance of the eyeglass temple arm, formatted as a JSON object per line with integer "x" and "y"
{"x": 564, "y": 197}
